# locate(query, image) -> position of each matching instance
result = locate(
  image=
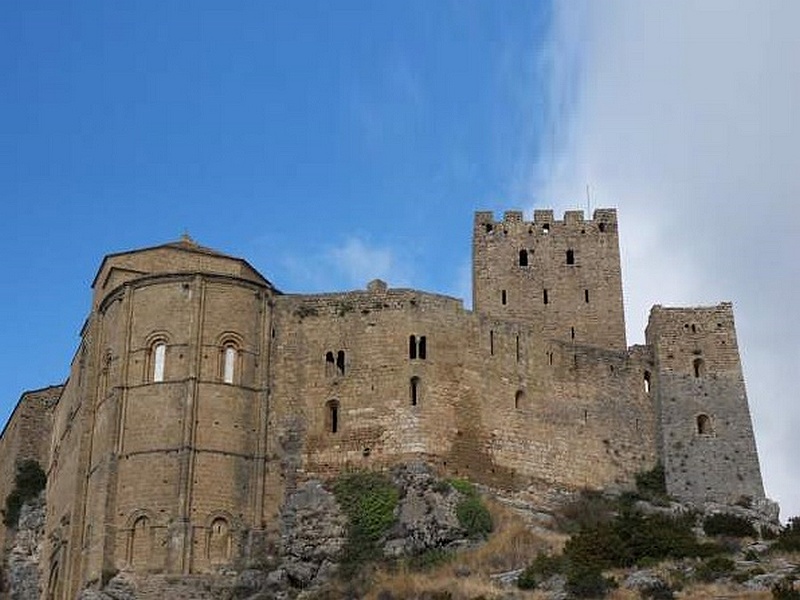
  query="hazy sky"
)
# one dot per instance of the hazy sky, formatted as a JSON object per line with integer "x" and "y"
{"x": 333, "y": 142}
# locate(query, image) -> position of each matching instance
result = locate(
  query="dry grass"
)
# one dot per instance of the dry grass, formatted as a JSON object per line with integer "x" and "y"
{"x": 512, "y": 545}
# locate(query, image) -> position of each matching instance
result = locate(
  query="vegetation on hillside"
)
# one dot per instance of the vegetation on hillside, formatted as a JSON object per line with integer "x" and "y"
{"x": 369, "y": 500}
{"x": 29, "y": 480}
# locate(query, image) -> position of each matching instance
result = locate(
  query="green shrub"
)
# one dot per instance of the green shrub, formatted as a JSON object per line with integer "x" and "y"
{"x": 369, "y": 500}
{"x": 652, "y": 485}
{"x": 714, "y": 568}
{"x": 463, "y": 486}
{"x": 472, "y": 515}
{"x": 542, "y": 568}
{"x": 728, "y": 524}
{"x": 589, "y": 509}
{"x": 29, "y": 480}
{"x": 587, "y": 581}
{"x": 789, "y": 537}
{"x": 635, "y": 538}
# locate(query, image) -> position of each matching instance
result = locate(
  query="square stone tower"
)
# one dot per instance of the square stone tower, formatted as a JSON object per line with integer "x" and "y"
{"x": 562, "y": 276}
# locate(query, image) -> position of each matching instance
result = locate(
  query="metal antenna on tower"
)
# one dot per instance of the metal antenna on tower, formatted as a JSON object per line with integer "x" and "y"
{"x": 588, "y": 203}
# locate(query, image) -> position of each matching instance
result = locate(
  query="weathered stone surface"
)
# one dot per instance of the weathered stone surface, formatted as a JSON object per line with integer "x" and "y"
{"x": 426, "y": 514}
{"x": 24, "y": 555}
{"x": 314, "y": 531}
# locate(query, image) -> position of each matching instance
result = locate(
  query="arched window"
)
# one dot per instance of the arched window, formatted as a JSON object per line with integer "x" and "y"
{"x": 704, "y": 425}
{"x": 330, "y": 364}
{"x": 519, "y": 398}
{"x": 157, "y": 360}
{"x": 523, "y": 258}
{"x": 699, "y": 367}
{"x": 332, "y": 416}
{"x": 219, "y": 541}
{"x": 230, "y": 354}
{"x": 139, "y": 548}
{"x": 415, "y": 391}
{"x": 647, "y": 382}
{"x": 340, "y": 362}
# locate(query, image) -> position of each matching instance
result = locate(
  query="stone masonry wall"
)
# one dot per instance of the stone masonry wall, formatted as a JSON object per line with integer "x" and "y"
{"x": 707, "y": 443}
{"x": 563, "y": 276}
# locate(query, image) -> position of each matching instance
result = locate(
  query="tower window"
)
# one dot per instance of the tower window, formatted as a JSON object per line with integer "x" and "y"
{"x": 417, "y": 347}
{"x": 332, "y": 416}
{"x": 572, "y": 333}
{"x": 229, "y": 354}
{"x": 330, "y": 364}
{"x": 519, "y": 398}
{"x": 158, "y": 360}
{"x": 586, "y": 296}
{"x": 523, "y": 258}
{"x": 414, "y": 390}
{"x": 503, "y": 297}
{"x": 517, "y": 348}
{"x": 340, "y": 362}
{"x": 545, "y": 298}
{"x": 570, "y": 257}
{"x": 546, "y": 228}
{"x": 601, "y": 226}
{"x": 699, "y": 367}
{"x": 491, "y": 342}
{"x": 704, "y": 425}
{"x": 647, "y": 382}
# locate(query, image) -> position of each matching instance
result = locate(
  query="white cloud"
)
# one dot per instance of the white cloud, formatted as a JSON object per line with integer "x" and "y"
{"x": 349, "y": 265}
{"x": 685, "y": 116}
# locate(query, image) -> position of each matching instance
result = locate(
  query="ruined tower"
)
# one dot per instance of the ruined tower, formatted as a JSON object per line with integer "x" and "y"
{"x": 705, "y": 435}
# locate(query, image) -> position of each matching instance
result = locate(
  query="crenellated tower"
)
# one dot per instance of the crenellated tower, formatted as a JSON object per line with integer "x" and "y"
{"x": 562, "y": 276}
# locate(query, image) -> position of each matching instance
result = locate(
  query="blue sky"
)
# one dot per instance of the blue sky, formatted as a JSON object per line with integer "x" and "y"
{"x": 294, "y": 134}
{"x": 333, "y": 142}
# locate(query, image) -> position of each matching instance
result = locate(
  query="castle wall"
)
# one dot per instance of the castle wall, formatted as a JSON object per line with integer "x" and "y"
{"x": 199, "y": 395}
{"x": 556, "y": 413}
{"x": 707, "y": 443}
{"x": 496, "y": 401}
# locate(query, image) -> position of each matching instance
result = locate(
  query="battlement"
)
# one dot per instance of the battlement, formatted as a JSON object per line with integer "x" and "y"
{"x": 603, "y": 219}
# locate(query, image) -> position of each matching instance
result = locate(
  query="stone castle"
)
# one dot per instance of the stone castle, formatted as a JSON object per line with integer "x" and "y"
{"x": 200, "y": 395}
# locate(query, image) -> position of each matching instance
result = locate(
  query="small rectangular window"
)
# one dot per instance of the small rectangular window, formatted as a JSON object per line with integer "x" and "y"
{"x": 422, "y": 350}
{"x": 503, "y": 297}
{"x": 545, "y": 298}
{"x": 586, "y": 296}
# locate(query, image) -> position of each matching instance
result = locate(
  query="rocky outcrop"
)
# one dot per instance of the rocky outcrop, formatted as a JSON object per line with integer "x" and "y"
{"x": 426, "y": 517}
{"x": 22, "y": 565}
